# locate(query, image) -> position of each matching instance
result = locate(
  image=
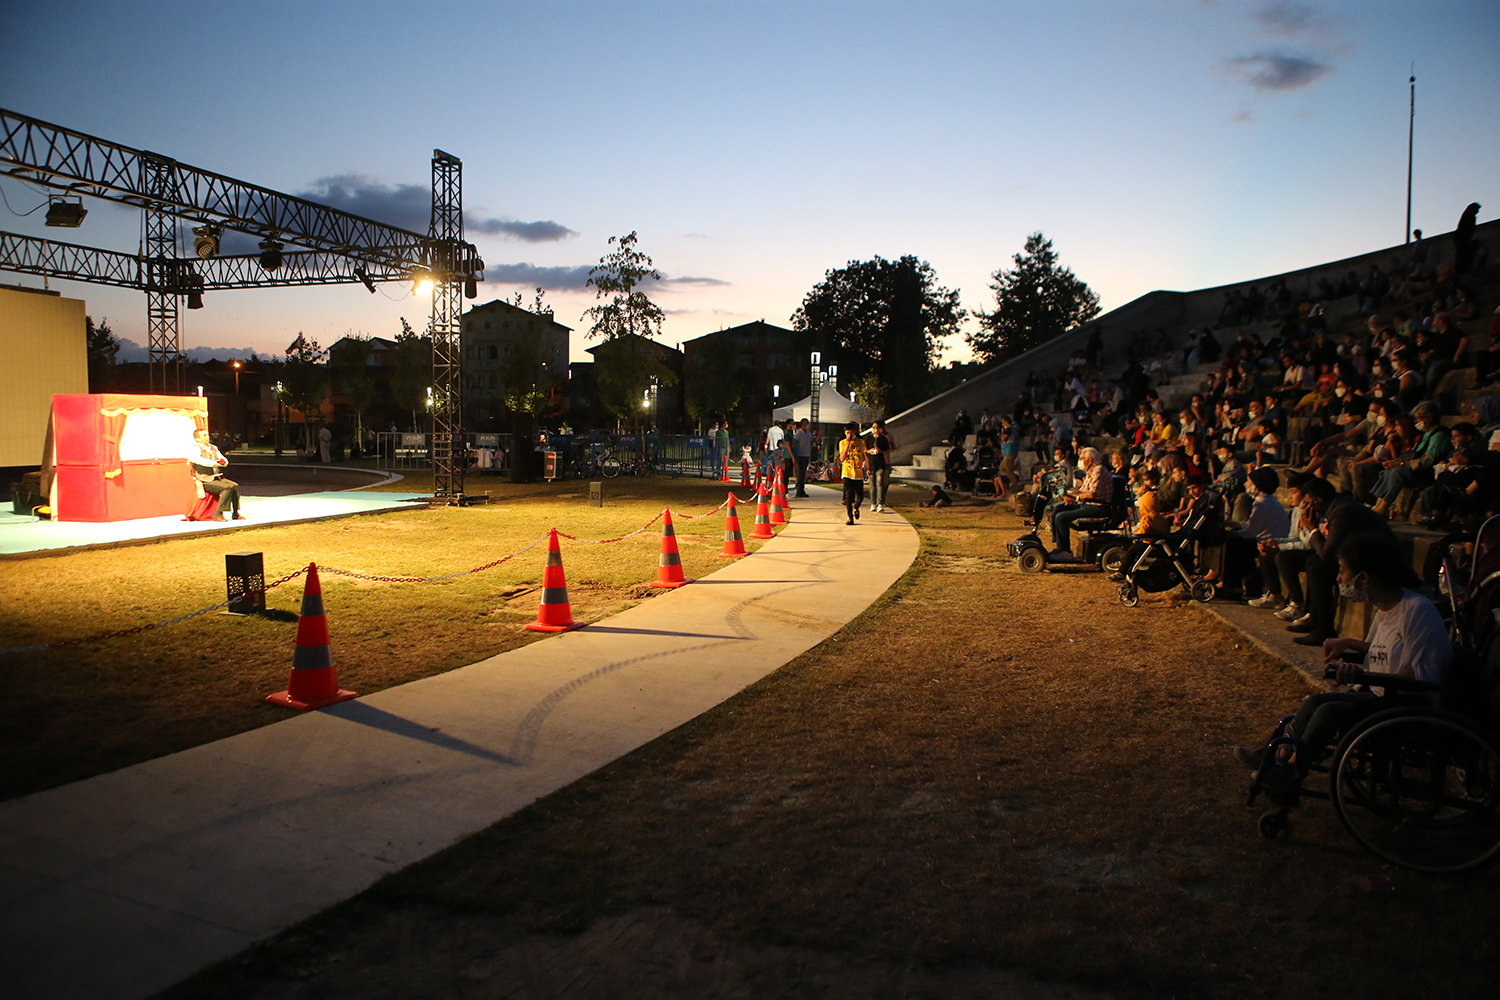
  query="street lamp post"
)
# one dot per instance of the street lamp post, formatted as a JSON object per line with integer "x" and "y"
{"x": 279, "y": 433}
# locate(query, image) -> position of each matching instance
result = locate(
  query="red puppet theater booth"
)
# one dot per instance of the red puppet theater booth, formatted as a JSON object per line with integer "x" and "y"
{"x": 113, "y": 457}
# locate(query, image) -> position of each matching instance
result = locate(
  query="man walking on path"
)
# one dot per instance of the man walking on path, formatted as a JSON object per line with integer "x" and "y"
{"x": 803, "y": 451}
{"x": 853, "y": 460}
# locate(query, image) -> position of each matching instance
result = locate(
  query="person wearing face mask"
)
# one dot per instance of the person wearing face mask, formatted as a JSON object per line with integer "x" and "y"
{"x": 1341, "y": 518}
{"x": 1413, "y": 467}
{"x": 1407, "y": 638}
{"x": 1268, "y": 519}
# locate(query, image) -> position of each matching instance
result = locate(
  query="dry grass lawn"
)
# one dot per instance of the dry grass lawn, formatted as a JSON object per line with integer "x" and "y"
{"x": 988, "y": 784}
{"x": 79, "y": 710}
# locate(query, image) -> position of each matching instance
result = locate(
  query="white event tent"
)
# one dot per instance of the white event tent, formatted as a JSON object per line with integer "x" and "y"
{"x": 833, "y": 408}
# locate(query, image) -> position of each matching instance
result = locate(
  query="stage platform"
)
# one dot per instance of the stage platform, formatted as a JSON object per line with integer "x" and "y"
{"x": 22, "y": 535}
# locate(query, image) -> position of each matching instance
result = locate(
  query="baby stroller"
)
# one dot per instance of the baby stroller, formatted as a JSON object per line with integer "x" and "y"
{"x": 1166, "y": 561}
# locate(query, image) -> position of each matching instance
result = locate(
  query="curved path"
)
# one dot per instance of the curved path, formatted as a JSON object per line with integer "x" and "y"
{"x": 121, "y": 885}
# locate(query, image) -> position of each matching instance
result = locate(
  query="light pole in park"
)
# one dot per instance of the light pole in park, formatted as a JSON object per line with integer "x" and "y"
{"x": 1411, "y": 132}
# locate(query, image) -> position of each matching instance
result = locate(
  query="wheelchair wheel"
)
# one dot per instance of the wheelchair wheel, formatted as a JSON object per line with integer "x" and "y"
{"x": 1111, "y": 558}
{"x": 1203, "y": 591}
{"x": 1128, "y": 595}
{"x": 1275, "y": 825}
{"x": 1032, "y": 560}
{"x": 1420, "y": 788}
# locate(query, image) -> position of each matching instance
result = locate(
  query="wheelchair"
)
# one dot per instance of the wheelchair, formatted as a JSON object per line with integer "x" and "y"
{"x": 1416, "y": 785}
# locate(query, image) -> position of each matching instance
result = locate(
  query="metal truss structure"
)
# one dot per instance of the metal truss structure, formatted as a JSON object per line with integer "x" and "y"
{"x": 339, "y": 248}
{"x": 449, "y": 272}
{"x": 33, "y": 255}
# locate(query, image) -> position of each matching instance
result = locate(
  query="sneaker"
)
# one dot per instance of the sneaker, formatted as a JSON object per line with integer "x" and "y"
{"x": 1265, "y": 601}
{"x": 1249, "y": 757}
{"x": 1291, "y": 612}
{"x": 877, "y": 508}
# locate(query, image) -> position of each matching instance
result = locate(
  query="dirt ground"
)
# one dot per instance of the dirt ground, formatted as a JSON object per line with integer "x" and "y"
{"x": 988, "y": 785}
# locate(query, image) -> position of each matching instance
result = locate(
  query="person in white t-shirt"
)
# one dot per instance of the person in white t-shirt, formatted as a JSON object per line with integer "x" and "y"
{"x": 1407, "y": 638}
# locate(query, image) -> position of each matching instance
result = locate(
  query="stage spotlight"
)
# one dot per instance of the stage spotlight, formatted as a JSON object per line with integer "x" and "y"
{"x": 471, "y": 287}
{"x": 65, "y": 213}
{"x": 421, "y": 281}
{"x": 359, "y": 273}
{"x": 195, "y": 299}
{"x": 270, "y": 253}
{"x": 207, "y": 242}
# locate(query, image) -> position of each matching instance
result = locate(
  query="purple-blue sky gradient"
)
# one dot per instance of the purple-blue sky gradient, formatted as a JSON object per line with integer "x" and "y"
{"x": 755, "y": 145}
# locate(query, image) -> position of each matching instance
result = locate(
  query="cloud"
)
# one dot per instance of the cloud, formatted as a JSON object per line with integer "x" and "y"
{"x": 1288, "y": 19}
{"x": 1278, "y": 72}
{"x": 527, "y": 232}
{"x": 553, "y": 279}
{"x": 409, "y": 206}
{"x": 697, "y": 282}
{"x": 1244, "y": 116}
{"x": 695, "y": 236}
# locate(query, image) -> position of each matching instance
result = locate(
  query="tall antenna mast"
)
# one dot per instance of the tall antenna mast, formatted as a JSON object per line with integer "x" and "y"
{"x": 1411, "y": 127}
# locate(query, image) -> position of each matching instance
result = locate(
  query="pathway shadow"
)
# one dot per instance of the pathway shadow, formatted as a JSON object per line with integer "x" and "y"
{"x": 617, "y": 630}
{"x": 366, "y": 714}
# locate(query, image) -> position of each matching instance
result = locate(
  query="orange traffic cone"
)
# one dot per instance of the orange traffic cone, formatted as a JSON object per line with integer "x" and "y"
{"x": 745, "y": 472}
{"x": 780, "y": 493}
{"x": 734, "y": 545}
{"x": 669, "y": 563}
{"x": 762, "y": 527}
{"x": 312, "y": 684}
{"x": 555, "y": 613}
{"x": 725, "y": 477}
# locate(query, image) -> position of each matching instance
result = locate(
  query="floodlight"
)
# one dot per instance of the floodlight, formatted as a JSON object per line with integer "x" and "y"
{"x": 471, "y": 287}
{"x": 421, "y": 281}
{"x": 270, "y": 252}
{"x": 65, "y": 213}
{"x": 359, "y": 273}
{"x": 206, "y": 244}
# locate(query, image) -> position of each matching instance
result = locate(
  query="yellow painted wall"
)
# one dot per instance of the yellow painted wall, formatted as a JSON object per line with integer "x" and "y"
{"x": 43, "y": 349}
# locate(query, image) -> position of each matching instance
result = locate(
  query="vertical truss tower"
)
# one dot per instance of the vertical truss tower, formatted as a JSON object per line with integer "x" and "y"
{"x": 160, "y": 266}
{"x": 450, "y": 269}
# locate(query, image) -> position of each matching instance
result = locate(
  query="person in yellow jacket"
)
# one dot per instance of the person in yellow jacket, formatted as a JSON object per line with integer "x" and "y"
{"x": 854, "y": 458}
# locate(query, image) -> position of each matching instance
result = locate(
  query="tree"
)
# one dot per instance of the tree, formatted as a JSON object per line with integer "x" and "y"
{"x": 882, "y": 318}
{"x": 1033, "y": 304}
{"x": 869, "y": 391}
{"x": 627, "y": 310}
{"x": 522, "y": 370}
{"x": 413, "y": 375}
{"x": 713, "y": 383}
{"x": 349, "y": 360}
{"x": 304, "y": 379}
{"x": 102, "y": 349}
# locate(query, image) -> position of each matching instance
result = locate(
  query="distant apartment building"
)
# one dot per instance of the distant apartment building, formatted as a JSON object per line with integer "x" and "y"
{"x": 767, "y": 356}
{"x": 489, "y": 335}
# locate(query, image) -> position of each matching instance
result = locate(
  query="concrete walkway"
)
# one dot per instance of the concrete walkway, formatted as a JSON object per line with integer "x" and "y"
{"x": 121, "y": 885}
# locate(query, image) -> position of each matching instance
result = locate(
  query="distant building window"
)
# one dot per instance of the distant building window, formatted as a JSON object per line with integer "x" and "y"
{"x": 494, "y": 352}
{"x": 494, "y": 382}
{"x": 486, "y": 324}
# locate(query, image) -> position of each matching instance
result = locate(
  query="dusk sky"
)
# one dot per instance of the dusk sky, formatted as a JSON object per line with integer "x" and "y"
{"x": 754, "y": 145}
